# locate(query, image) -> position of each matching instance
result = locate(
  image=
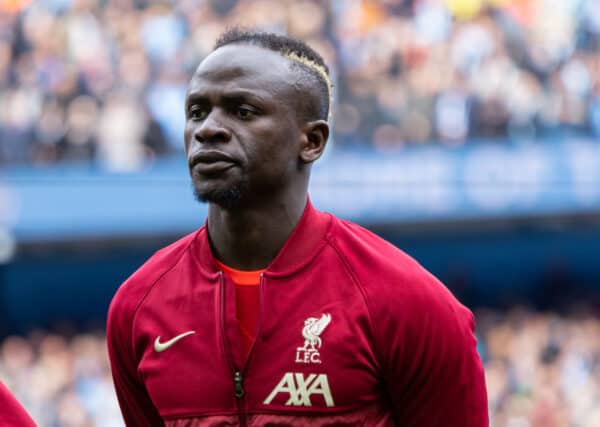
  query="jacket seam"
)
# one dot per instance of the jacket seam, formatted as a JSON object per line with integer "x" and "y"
{"x": 305, "y": 264}
{"x": 150, "y": 288}
{"x": 360, "y": 287}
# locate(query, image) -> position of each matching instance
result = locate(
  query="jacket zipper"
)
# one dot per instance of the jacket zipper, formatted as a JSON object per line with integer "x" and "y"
{"x": 258, "y": 324}
{"x": 238, "y": 377}
{"x": 238, "y": 384}
{"x": 238, "y": 389}
{"x": 239, "y": 393}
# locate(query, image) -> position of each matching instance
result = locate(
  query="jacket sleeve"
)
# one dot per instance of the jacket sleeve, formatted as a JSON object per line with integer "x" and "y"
{"x": 136, "y": 405}
{"x": 11, "y": 411}
{"x": 430, "y": 366}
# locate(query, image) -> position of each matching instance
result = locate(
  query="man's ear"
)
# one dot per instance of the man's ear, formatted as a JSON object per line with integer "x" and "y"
{"x": 314, "y": 139}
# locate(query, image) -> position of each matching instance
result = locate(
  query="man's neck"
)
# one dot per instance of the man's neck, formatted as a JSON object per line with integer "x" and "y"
{"x": 250, "y": 238}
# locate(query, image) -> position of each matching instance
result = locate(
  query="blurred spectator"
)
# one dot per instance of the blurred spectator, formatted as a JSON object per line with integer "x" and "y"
{"x": 62, "y": 383}
{"x": 542, "y": 370}
{"x": 405, "y": 71}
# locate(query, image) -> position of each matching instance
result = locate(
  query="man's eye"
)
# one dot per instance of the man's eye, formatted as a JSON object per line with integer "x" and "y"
{"x": 197, "y": 113}
{"x": 245, "y": 112}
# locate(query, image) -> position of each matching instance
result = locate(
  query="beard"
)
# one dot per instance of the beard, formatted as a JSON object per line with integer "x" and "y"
{"x": 227, "y": 198}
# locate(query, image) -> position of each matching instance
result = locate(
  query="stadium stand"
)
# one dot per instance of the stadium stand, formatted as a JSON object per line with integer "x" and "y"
{"x": 405, "y": 71}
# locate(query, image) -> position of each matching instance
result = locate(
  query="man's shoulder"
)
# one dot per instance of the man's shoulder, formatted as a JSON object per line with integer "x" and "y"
{"x": 364, "y": 249}
{"x": 164, "y": 258}
{"x": 134, "y": 289}
{"x": 383, "y": 270}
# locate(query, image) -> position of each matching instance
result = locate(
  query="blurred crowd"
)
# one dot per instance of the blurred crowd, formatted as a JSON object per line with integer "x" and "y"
{"x": 104, "y": 80}
{"x": 61, "y": 382}
{"x": 542, "y": 370}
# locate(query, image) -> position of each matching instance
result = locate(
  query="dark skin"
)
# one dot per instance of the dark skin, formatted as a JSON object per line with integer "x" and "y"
{"x": 246, "y": 136}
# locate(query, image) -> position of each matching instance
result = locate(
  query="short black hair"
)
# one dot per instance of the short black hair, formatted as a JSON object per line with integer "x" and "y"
{"x": 304, "y": 58}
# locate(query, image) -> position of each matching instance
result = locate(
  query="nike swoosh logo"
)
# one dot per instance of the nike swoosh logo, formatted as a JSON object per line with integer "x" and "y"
{"x": 162, "y": 346}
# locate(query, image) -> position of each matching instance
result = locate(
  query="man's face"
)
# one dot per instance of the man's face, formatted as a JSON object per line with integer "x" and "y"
{"x": 242, "y": 134}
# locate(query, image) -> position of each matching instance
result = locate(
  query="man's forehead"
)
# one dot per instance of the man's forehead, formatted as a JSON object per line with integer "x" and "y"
{"x": 243, "y": 62}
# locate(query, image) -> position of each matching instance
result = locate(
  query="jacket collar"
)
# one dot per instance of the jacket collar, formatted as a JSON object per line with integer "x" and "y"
{"x": 303, "y": 244}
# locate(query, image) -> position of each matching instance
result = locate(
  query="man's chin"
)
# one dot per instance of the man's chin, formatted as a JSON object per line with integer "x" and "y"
{"x": 228, "y": 198}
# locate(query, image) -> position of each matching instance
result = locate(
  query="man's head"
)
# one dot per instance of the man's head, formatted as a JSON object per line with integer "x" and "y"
{"x": 256, "y": 118}
{"x": 311, "y": 71}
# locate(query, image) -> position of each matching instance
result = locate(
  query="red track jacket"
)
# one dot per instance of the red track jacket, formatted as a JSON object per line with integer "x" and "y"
{"x": 352, "y": 332}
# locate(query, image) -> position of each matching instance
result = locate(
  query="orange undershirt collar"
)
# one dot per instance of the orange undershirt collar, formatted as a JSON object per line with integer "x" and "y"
{"x": 241, "y": 277}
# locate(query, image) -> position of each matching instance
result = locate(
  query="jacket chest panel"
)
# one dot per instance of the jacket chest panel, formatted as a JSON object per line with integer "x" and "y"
{"x": 314, "y": 350}
{"x": 188, "y": 378}
{"x": 319, "y": 359}
{"x": 182, "y": 363}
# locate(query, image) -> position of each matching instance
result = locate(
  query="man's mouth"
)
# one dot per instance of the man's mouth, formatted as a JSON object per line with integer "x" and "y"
{"x": 211, "y": 162}
{"x": 211, "y": 168}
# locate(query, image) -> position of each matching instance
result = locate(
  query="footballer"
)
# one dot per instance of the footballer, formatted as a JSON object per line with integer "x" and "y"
{"x": 274, "y": 313}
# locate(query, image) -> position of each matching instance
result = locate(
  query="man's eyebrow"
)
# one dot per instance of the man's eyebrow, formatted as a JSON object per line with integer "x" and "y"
{"x": 243, "y": 94}
{"x": 233, "y": 95}
{"x": 194, "y": 96}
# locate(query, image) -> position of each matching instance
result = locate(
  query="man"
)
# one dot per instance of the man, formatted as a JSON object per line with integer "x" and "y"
{"x": 275, "y": 313}
{"x": 12, "y": 414}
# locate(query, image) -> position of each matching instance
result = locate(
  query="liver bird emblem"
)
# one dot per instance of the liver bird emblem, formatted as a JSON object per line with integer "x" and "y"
{"x": 313, "y": 328}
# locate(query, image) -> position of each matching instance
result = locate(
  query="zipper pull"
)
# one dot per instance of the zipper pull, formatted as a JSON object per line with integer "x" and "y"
{"x": 237, "y": 381}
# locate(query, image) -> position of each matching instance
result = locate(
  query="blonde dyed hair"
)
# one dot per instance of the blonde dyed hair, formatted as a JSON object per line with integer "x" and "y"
{"x": 317, "y": 68}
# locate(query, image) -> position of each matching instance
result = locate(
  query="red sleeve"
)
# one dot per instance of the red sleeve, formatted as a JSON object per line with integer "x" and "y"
{"x": 431, "y": 368}
{"x": 135, "y": 403}
{"x": 422, "y": 336}
{"x": 12, "y": 414}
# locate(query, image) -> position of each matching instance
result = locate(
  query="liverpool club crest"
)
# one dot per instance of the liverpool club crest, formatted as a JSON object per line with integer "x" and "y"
{"x": 312, "y": 330}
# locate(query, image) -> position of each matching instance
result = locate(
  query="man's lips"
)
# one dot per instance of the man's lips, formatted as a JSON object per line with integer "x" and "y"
{"x": 210, "y": 162}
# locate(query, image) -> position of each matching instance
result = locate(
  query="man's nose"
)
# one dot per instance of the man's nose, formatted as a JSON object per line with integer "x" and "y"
{"x": 212, "y": 130}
